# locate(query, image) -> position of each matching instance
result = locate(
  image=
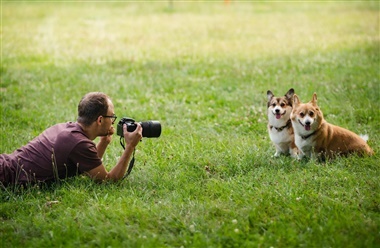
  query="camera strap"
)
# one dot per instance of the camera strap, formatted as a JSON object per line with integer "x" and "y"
{"x": 122, "y": 142}
{"x": 132, "y": 162}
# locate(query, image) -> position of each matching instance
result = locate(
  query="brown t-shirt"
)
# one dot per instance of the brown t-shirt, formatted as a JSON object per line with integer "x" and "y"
{"x": 61, "y": 151}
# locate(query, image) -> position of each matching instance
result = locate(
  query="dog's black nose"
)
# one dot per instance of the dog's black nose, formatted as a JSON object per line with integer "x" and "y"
{"x": 277, "y": 110}
{"x": 307, "y": 123}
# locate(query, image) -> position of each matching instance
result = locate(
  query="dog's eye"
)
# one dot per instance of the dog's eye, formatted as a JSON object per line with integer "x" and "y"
{"x": 273, "y": 105}
{"x": 302, "y": 114}
{"x": 311, "y": 113}
{"x": 282, "y": 104}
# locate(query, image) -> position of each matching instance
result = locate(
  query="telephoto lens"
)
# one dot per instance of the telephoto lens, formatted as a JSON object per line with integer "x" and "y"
{"x": 151, "y": 129}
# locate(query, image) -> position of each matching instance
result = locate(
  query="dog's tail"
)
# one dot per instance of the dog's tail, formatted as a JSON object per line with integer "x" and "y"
{"x": 365, "y": 137}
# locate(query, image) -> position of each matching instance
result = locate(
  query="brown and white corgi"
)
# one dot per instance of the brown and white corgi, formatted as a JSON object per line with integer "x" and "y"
{"x": 279, "y": 125}
{"x": 315, "y": 137}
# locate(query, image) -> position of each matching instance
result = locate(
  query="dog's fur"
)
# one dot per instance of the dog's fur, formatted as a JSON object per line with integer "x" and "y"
{"x": 316, "y": 138}
{"x": 279, "y": 125}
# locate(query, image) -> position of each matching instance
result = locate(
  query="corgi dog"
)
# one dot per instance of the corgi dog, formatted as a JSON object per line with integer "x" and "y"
{"x": 316, "y": 138}
{"x": 279, "y": 125}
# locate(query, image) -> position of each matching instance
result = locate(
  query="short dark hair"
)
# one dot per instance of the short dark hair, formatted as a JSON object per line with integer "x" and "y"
{"x": 91, "y": 106}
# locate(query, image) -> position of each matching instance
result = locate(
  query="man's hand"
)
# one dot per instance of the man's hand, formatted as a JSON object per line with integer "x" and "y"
{"x": 107, "y": 139}
{"x": 132, "y": 138}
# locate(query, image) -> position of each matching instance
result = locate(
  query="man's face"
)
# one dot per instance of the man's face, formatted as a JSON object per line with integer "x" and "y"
{"x": 108, "y": 120}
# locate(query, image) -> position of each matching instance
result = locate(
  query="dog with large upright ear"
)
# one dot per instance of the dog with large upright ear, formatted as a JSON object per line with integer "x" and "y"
{"x": 279, "y": 125}
{"x": 315, "y": 137}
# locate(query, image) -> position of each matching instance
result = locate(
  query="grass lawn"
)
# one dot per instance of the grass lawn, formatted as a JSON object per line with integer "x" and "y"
{"x": 202, "y": 69}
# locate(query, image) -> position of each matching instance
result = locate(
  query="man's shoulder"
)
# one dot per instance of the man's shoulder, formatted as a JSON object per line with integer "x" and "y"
{"x": 69, "y": 133}
{"x": 68, "y": 127}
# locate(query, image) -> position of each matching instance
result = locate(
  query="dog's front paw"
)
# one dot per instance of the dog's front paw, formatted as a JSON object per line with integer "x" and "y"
{"x": 300, "y": 156}
{"x": 277, "y": 154}
{"x": 295, "y": 156}
{"x": 293, "y": 153}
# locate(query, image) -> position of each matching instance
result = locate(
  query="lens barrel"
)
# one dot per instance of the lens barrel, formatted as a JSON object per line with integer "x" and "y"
{"x": 151, "y": 129}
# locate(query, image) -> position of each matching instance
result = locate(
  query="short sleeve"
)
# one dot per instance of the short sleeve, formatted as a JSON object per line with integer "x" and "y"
{"x": 85, "y": 156}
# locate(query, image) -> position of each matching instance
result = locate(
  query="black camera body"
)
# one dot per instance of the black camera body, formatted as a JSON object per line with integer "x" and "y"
{"x": 151, "y": 129}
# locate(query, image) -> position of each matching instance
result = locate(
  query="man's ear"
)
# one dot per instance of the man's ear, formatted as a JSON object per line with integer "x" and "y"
{"x": 99, "y": 120}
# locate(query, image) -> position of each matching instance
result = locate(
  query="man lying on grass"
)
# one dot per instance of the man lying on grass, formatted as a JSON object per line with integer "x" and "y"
{"x": 67, "y": 149}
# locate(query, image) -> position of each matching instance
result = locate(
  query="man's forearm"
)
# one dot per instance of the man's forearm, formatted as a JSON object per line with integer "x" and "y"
{"x": 101, "y": 148}
{"x": 119, "y": 170}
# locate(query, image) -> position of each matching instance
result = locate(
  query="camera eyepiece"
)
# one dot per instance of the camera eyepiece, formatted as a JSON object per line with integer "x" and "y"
{"x": 151, "y": 129}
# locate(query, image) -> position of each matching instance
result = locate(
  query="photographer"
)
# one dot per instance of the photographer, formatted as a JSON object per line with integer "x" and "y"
{"x": 67, "y": 149}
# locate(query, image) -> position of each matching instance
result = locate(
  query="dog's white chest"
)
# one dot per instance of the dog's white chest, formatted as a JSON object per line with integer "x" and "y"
{"x": 304, "y": 144}
{"x": 280, "y": 136}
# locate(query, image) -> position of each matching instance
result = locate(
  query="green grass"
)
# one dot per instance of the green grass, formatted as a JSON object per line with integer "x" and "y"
{"x": 201, "y": 69}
